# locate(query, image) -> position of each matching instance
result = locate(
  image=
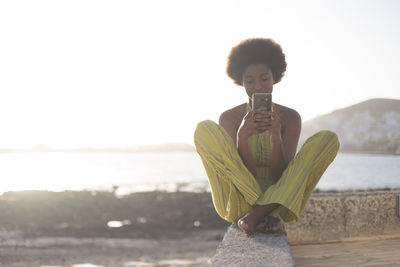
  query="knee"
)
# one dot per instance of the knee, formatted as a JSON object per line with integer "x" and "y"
{"x": 328, "y": 134}
{"x": 203, "y": 127}
{"x": 330, "y": 137}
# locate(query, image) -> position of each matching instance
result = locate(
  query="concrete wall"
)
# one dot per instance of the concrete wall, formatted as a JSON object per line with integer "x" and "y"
{"x": 333, "y": 216}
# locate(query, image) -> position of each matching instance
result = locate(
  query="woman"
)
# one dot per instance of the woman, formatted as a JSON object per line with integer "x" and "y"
{"x": 250, "y": 157}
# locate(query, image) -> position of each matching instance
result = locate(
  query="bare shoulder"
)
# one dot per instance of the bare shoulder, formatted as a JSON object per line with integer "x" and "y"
{"x": 230, "y": 120}
{"x": 233, "y": 116}
{"x": 288, "y": 115}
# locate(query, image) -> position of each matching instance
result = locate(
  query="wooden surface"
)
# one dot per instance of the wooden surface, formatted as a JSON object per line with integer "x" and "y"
{"x": 361, "y": 253}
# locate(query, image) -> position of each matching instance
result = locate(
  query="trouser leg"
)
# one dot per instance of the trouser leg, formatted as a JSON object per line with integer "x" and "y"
{"x": 234, "y": 189}
{"x": 294, "y": 188}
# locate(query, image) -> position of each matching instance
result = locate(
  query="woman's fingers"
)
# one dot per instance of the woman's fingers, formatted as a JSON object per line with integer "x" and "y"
{"x": 261, "y": 127}
{"x": 256, "y": 122}
{"x": 250, "y": 115}
{"x": 260, "y": 118}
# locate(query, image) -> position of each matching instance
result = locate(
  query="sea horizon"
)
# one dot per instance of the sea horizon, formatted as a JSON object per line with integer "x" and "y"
{"x": 172, "y": 171}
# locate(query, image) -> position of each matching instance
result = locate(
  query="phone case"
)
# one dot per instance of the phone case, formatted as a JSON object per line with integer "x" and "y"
{"x": 262, "y": 101}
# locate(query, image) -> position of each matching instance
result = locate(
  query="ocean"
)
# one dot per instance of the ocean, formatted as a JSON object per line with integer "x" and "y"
{"x": 133, "y": 172}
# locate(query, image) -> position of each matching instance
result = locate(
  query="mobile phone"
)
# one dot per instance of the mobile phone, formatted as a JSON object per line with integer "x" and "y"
{"x": 262, "y": 101}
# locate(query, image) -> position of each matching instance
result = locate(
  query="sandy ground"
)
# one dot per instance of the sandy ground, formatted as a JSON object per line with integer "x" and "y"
{"x": 67, "y": 228}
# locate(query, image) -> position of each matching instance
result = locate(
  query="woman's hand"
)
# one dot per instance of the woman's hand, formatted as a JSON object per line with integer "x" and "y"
{"x": 256, "y": 122}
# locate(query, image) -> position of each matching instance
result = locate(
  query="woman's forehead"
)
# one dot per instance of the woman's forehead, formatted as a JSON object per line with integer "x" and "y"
{"x": 256, "y": 69}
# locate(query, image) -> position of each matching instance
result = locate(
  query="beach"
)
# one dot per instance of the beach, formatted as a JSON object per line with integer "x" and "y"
{"x": 43, "y": 228}
{"x": 70, "y": 227}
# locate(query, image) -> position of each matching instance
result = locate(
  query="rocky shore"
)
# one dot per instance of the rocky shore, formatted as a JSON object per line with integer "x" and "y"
{"x": 99, "y": 214}
{"x": 64, "y": 228}
{"x": 41, "y": 228}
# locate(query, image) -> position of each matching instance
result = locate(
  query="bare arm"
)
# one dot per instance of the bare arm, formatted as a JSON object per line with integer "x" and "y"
{"x": 291, "y": 135}
{"x": 284, "y": 145}
{"x": 226, "y": 120}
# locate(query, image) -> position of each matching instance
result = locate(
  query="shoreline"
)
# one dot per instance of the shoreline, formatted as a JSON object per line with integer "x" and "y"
{"x": 69, "y": 227}
{"x": 148, "y": 215}
{"x": 180, "y": 188}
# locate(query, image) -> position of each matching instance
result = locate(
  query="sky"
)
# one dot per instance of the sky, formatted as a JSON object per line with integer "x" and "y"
{"x": 121, "y": 73}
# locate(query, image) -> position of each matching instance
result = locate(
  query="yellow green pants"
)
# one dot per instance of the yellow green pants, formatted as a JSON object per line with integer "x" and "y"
{"x": 234, "y": 189}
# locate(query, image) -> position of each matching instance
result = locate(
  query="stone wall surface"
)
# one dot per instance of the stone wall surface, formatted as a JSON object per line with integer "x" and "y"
{"x": 261, "y": 250}
{"x": 336, "y": 216}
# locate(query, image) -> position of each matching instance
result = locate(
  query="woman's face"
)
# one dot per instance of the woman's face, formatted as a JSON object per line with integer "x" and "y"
{"x": 258, "y": 78}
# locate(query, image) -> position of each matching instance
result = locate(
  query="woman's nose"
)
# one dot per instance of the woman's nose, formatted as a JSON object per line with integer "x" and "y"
{"x": 258, "y": 85}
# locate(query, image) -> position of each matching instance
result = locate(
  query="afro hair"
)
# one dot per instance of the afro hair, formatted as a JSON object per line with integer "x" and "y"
{"x": 256, "y": 51}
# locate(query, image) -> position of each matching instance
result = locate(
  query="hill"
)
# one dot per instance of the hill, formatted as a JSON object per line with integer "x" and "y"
{"x": 372, "y": 126}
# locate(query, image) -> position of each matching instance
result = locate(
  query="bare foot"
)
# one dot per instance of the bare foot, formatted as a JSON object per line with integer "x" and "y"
{"x": 249, "y": 222}
{"x": 247, "y": 227}
{"x": 274, "y": 224}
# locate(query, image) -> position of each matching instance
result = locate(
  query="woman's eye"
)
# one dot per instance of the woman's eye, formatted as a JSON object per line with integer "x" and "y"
{"x": 248, "y": 82}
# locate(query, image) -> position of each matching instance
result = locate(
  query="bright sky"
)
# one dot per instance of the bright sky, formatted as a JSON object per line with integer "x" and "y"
{"x": 118, "y": 73}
